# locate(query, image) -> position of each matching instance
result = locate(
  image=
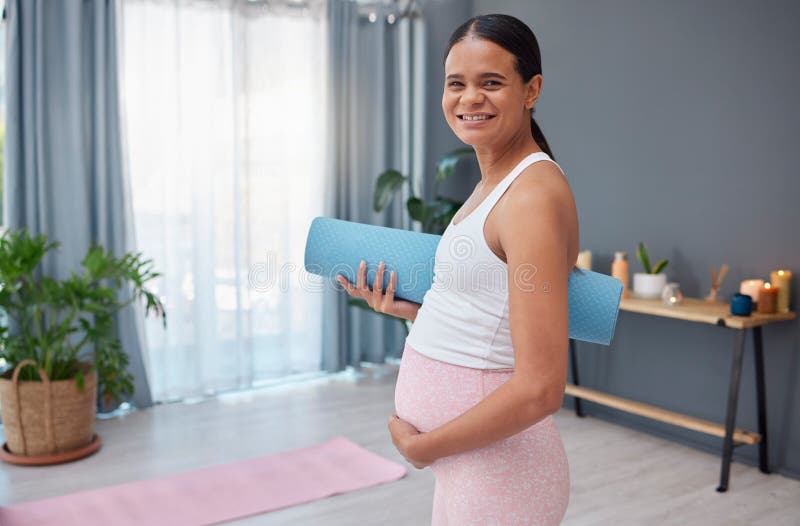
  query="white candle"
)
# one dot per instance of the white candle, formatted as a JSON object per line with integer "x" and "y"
{"x": 584, "y": 260}
{"x": 751, "y": 288}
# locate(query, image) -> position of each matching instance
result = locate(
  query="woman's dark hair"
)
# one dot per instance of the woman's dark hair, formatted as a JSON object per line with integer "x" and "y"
{"x": 515, "y": 37}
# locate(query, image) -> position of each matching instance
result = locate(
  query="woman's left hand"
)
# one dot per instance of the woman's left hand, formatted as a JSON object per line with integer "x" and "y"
{"x": 403, "y": 436}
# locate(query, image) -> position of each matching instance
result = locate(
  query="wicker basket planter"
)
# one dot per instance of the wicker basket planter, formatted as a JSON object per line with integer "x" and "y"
{"x": 45, "y": 419}
{"x": 66, "y": 326}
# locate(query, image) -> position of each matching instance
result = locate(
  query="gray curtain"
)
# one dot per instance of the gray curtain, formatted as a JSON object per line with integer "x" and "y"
{"x": 64, "y": 167}
{"x": 373, "y": 127}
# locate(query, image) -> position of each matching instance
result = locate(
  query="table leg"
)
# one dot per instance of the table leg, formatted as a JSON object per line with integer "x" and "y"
{"x": 761, "y": 399}
{"x": 573, "y": 358}
{"x": 733, "y": 399}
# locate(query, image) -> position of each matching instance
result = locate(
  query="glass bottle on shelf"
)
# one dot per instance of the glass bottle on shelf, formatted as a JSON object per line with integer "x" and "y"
{"x": 619, "y": 270}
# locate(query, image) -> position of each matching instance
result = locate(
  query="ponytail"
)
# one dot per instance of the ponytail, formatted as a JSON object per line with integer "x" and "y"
{"x": 538, "y": 136}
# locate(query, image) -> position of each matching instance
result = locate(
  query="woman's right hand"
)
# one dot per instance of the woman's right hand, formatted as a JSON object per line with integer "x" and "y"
{"x": 377, "y": 300}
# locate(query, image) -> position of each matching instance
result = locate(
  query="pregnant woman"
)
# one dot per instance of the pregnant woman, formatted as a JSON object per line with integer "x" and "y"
{"x": 484, "y": 366}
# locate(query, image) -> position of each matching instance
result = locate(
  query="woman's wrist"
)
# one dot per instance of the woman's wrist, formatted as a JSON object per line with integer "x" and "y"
{"x": 413, "y": 310}
{"x": 409, "y": 310}
{"x": 415, "y": 446}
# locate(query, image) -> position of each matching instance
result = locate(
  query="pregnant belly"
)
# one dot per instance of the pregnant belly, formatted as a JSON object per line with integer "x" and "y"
{"x": 430, "y": 393}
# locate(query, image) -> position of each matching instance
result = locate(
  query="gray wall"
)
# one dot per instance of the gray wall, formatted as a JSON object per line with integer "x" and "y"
{"x": 676, "y": 124}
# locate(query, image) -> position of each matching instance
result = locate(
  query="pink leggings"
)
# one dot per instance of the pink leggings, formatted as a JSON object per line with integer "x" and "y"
{"x": 523, "y": 479}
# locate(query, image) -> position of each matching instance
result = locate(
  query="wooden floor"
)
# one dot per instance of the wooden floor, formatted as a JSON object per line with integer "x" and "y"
{"x": 619, "y": 476}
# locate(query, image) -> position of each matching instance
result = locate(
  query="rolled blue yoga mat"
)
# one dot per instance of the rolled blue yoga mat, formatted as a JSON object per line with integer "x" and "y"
{"x": 337, "y": 247}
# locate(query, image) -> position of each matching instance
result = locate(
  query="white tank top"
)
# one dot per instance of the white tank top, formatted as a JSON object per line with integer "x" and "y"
{"x": 463, "y": 319}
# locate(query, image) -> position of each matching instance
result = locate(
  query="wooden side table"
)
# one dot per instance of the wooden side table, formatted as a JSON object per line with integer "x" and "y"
{"x": 718, "y": 314}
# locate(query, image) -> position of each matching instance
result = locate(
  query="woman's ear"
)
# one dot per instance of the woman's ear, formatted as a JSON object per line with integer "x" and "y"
{"x": 533, "y": 88}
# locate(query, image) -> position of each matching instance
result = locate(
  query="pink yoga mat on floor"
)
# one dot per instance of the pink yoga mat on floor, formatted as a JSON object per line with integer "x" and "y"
{"x": 215, "y": 494}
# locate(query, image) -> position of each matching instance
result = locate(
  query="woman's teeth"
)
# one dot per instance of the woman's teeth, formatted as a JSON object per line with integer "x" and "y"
{"x": 476, "y": 117}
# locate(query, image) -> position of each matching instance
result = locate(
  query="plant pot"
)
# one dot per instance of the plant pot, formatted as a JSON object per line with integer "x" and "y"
{"x": 648, "y": 285}
{"x": 47, "y": 418}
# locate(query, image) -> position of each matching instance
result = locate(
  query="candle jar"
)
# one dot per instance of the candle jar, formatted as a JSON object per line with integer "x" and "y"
{"x": 741, "y": 304}
{"x": 671, "y": 294}
{"x": 767, "y": 299}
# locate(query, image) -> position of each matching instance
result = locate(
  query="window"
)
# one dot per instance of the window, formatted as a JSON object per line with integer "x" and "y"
{"x": 225, "y": 125}
{"x": 2, "y": 113}
{"x": 2, "y": 131}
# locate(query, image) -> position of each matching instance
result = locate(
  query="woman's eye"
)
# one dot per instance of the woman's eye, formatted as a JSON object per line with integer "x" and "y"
{"x": 491, "y": 83}
{"x": 455, "y": 83}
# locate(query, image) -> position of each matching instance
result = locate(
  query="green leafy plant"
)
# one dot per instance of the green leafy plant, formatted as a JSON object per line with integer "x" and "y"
{"x": 434, "y": 215}
{"x": 641, "y": 255}
{"x": 62, "y": 324}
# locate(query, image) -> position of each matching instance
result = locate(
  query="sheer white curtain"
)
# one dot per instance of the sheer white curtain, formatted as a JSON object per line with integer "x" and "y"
{"x": 224, "y": 105}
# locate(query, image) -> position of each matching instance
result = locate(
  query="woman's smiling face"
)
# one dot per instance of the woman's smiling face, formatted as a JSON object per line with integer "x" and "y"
{"x": 485, "y": 100}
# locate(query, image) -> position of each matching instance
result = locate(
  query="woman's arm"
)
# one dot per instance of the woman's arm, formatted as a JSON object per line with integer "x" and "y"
{"x": 535, "y": 238}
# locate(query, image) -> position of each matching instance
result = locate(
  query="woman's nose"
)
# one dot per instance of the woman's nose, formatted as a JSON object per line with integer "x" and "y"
{"x": 471, "y": 95}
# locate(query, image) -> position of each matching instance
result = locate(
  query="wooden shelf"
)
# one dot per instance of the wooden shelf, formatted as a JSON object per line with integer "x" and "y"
{"x": 637, "y": 408}
{"x": 698, "y": 310}
{"x": 717, "y": 314}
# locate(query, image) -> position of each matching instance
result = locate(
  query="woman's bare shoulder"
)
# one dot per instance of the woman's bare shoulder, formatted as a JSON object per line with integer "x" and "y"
{"x": 542, "y": 180}
{"x": 540, "y": 187}
{"x": 541, "y": 197}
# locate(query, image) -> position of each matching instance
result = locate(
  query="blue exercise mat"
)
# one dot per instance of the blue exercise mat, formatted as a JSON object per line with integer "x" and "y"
{"x": 337, "y": 247}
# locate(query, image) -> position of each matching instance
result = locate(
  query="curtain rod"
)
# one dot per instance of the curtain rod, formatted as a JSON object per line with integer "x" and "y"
{"x": 393, "y": 10}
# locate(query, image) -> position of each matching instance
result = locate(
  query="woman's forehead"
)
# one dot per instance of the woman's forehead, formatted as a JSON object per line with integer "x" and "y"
{"x": 473, "y": 55}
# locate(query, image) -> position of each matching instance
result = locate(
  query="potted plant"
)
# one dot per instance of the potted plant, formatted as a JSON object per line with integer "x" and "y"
{"x": 433, "y": 215}
{"x": 649, "y": 284}
{"x": 58, "y": 342}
